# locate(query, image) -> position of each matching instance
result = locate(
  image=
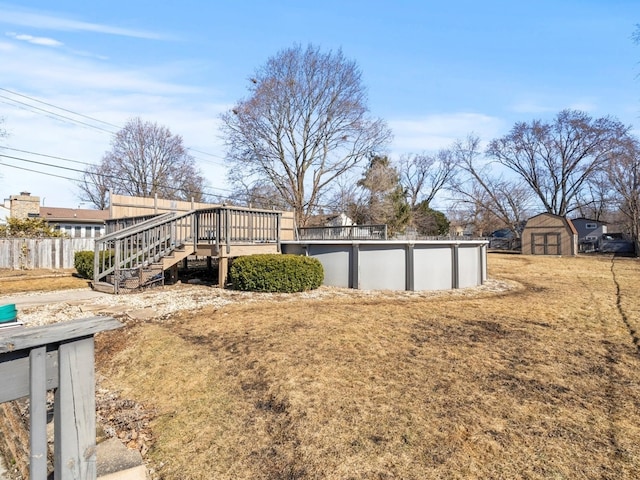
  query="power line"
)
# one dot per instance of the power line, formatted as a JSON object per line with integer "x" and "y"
{"x": 208, "y": 191}
{"x": 59, "y": 108}
{"x": 54, "y": 157}
{"x": 37, "y": 171}
{"x": 48, "y": 113}
{"x": 64, "y": 117}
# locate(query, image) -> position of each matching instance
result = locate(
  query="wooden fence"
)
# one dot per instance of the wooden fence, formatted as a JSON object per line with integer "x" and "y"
{"x": 58, "y": 357}
{"x": 31, "y": 253}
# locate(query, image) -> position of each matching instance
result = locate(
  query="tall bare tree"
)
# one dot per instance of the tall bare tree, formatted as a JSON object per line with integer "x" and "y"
{"x": 624, "y": 175}
{"x": 145, "y": 159}
{"x": 304, "y": 125}
{"x": 557, "y": 159}
{"x": 486, "y": 193}
{"x": 424, "y": 175}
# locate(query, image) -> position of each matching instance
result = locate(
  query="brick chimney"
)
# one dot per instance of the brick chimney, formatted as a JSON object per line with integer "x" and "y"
{"x": 24, "y": 206}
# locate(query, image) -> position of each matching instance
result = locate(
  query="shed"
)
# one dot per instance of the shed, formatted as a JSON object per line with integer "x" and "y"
{"x": 549, "y": 234}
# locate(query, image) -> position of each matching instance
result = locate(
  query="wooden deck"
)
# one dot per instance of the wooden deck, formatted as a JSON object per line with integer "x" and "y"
{"x": 137, "y": 245}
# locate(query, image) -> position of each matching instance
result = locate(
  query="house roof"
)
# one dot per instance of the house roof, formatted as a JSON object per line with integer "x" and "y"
{"x": 590, "y": 220}
{"x": 57, "y": 214}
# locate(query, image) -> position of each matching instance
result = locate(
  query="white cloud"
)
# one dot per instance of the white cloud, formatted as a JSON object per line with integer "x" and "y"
{"x": 25, "y": 18}
{"x": 532, "y": 107}
{"x": 552, "y": 106}
{"x": 43, "y": 41}
{"x": 433, "y": 132}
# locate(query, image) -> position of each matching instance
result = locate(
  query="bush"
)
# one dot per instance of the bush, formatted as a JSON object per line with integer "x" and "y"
{"x": 276, "y": 273}
{"x": 83, "y": 261}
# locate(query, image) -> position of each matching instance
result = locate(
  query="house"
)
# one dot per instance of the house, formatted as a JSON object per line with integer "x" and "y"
{"x": 340, "y": 220}
{"x": 549, "y": 234}
{"x": 590, "y": 233}
{"x": 76, "y": 222}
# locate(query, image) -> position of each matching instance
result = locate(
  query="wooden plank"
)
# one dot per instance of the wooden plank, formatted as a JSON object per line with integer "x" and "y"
{"x": 38, "y": 413}
{"x": 57, "y": 332}
{"x": 75, "y": 412}
{"x": 14, "y": 374}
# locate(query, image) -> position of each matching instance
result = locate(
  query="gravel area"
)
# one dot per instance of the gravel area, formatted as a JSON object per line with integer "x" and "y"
{"x": 161, "y": 302}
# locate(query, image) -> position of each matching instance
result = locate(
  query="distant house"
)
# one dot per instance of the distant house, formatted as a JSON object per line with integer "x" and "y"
{"x": 460, "y": 229}
{"x": 76, "y": 222}
{"x": 590, "y": 233}
{"x": 341, "y": 220}
{"x": 549, "y": 234}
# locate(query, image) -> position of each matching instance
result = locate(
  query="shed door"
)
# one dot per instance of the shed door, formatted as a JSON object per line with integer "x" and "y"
{"x": 545, "y": 244}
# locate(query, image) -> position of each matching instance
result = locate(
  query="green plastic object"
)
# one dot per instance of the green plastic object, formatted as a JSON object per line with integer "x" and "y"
{"x": 8, "y": 313}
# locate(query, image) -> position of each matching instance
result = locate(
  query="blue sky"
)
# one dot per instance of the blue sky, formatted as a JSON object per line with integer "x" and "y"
{"x": 435, "y": 71}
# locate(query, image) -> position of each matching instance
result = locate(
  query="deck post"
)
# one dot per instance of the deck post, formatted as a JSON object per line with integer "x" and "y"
{"x": 223, "y": 268}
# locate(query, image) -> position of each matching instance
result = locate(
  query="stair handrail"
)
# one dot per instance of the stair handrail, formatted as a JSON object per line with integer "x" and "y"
{"x": 158, "y": 247}
{"x": 152, "y": 222}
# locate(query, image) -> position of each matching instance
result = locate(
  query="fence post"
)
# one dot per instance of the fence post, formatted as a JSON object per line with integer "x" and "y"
{"x": 75, "y": 406}
{"x": 60, "y": 356}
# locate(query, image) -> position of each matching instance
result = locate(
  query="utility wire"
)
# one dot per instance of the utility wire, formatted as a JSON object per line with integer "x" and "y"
{"x": 48, "y": 112}
{"x": 59, "y": 108}
{"x": 47, "y": 156}
{"x": 94, "y": 119}
{"x": 102, "y": 175}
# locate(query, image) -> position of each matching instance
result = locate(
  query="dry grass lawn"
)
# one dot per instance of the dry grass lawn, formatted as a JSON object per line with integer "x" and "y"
{"x": 19, "y": 281}
{"x": 540, "y": 382}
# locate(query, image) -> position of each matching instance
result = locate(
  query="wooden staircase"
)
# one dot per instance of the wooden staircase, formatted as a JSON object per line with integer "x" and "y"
{"x": 136, "y": 257}
{"x": 136, "y": 254}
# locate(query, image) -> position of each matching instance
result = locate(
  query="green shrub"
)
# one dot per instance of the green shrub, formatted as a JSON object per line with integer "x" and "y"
{"x": 276, "y": 273}
{"x": 83, "y": 261}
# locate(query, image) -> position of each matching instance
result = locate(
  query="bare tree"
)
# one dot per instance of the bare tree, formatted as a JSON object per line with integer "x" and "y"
{"x": 486, "y": 193}
{"x": 423, "y": 175}
{"x": 95, "y": 185}
{"x": 145, "y": 159}
{"x": 557, "y": 159}
{"x": 304, "y": 125}
{"x": 257, "y": 195}
{"x": 624, "y": 175}
{"x": 595, "y": 200}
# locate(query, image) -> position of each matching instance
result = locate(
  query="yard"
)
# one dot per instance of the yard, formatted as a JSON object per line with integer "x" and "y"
{"x": 541, "y": 381}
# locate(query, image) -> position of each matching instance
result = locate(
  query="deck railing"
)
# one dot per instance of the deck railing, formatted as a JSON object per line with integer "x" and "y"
{"x": 60, "y": 357}
{"x": 347, "y": 232}
{"x": 226, "y": 226}
{"x": 130, "y": 250}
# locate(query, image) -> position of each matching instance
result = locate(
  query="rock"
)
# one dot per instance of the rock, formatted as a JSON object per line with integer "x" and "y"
{"x": 115, "y": 461}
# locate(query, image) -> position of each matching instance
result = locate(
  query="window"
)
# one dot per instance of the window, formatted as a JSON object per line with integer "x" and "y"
{"x": 591, "y": 226}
